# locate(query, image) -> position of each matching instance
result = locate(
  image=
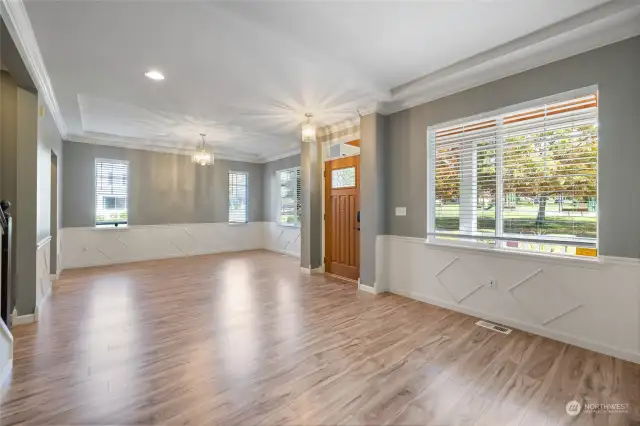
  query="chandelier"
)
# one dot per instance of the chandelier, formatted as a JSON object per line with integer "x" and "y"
{"x": 308, "y": 130}
{"x": 202, "y": 156}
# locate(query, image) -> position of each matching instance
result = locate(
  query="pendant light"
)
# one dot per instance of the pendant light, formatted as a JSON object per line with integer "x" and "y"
{"x": 308, "y": 130}
{"x": 202, "y": 157}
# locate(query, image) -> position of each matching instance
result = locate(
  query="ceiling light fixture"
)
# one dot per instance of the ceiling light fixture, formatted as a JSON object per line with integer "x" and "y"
{"x": 154, "y": 75}
{"x": 202, "y": 157}
{"x": 308, "y": 130}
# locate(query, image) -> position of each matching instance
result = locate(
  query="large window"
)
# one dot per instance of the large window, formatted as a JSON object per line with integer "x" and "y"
{"x": 238, "y": 193}
{"x": 522, "y": 180}
{"x": 112, "y": 177}
{"x": 289, "y": 205}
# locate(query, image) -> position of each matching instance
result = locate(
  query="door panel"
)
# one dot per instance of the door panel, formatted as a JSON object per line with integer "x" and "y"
{"x": 342, "y": 238}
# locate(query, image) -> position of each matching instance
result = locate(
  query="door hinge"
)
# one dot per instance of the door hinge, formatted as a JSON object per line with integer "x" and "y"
{"x": 325, "y": 260}
{"x": 324, "y": 216}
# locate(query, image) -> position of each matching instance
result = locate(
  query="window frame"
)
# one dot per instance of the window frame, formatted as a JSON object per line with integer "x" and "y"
{"x": 95, "y": 193}
{"x": 498, "y": 245}
{"x": 297, "y": 170}
{"x": 246, "y": 201}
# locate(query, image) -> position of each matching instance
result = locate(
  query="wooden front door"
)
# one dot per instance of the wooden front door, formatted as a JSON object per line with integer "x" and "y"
{"x": 342, "y": 203}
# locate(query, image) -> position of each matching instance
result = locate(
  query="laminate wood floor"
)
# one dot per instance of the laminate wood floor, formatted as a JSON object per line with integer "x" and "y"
{"x": 247, "y": 339}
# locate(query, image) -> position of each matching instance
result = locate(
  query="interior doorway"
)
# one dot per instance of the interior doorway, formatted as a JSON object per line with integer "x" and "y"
{"x": 53, "y": 261}
{"x": 342, "y": 226}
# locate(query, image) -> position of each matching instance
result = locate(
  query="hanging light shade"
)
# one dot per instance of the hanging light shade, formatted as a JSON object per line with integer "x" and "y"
{"x": 308, "y": 130}
{"x": 202, "y": 156}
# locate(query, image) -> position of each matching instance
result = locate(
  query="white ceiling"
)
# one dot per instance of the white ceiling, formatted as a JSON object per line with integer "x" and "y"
{"x": 246, "y": 72}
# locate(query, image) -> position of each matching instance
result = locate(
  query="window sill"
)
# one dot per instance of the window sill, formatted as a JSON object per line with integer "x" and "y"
{"x": 595, "y": 262}
{"x": 111, "y": 227}
{"x": 237, "y": 223}
{"x": 288, "y": 225}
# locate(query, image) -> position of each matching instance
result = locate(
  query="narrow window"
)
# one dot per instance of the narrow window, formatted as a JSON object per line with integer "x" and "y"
{"x": 238, "y": 192}
{"x": 112, "y": 177}
{"x": 289, "y": 206}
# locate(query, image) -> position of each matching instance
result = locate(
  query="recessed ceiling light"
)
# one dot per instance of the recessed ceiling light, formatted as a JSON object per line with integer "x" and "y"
{"x": 154, "y": 75}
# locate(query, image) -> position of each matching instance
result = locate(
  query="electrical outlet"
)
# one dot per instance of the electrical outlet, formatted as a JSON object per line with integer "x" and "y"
{"x": 492, "y": 283}
{"x": 401, "y": 211}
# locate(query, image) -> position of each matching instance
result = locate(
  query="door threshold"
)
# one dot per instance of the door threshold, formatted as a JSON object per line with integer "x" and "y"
{"x": 338, "y": 277}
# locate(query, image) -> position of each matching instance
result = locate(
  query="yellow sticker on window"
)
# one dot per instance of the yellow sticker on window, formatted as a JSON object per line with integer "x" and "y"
{"x": 584, "y": 251}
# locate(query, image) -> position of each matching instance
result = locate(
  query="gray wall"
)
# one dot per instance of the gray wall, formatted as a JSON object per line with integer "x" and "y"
{"x": 372, "y": 189}
{"x": 616, "y": 71}
{"x": 8, "y": 138}
{"x": 25, "y": 159}
{"x": 26, "y": 209}
{"x": 49, "y": 187}
{"x": 311, "y": 222}
{"x": 9, "y": 154}
{"x": 271, "y": 187}
{"x": 19, "y": 175}
{"x": 49, "y": 141}
{"x": 163, "y": 188}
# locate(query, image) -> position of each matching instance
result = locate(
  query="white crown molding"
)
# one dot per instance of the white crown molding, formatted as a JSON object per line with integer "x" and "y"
{"x": 375, "y": 107}
{"x": 130, "y": 144}
{"x": 19, "y": 26}
{"x": 281, "y": 156}
{"x": 612, "y": 22}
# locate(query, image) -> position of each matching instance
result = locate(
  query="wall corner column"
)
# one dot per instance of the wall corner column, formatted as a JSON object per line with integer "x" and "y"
{"x": 372, "y": 194}
{"x": 311, "y": 254}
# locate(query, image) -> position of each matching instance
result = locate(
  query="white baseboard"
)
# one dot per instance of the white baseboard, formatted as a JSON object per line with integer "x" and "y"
{"x": 373, "y": 289}
{"x": 287, "y": 253}
{"x": 544, "y": 332}
{"x": 319, "y": 270}
{"x": 366, "y": 288}
{"x": 22, "y": 319}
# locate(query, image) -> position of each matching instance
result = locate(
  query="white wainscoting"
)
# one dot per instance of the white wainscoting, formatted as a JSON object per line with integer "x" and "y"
{"x": 43, "y": 275}
{"x": 592, "y": 305}
{"x": 282, "y": 239}
{"x": 82, "y": 247}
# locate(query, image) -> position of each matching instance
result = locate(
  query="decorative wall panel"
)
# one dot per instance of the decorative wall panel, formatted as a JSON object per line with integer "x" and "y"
{"x": 81, "y": 247}
{"x": 595, "y": 305}
{"x": 283, "y": 239}
{"x": 43, "y": 276}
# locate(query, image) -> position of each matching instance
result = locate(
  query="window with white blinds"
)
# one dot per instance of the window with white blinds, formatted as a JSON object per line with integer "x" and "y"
{"x": 238, "y": 197}
{"x": 112, "y": 182}
{"x": 289, "y": 205}
{"x": 524, "y": 180}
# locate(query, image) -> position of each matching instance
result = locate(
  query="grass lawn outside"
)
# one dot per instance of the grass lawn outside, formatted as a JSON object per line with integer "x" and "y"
{"x": 522, "y": 221}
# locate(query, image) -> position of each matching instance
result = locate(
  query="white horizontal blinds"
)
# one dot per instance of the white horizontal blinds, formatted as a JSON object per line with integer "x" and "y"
{"x": 289, "y": 180}
{"x": 464, "y": 164}
{"x": 111, "y": 192}
{"x": 525, "y": 180}
{"x": 238, "y": 193}
{"x": 550, "y": 172}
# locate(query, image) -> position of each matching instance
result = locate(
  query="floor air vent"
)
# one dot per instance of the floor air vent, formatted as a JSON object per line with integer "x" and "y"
{"x": 494, "y": 327}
